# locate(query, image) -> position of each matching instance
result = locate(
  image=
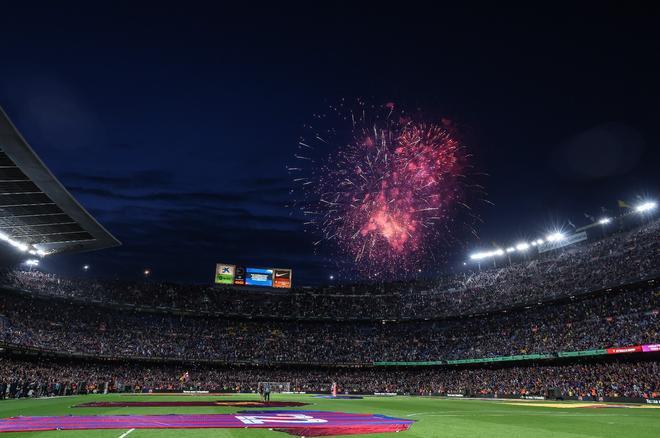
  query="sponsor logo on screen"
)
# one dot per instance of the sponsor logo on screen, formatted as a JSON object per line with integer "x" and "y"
{"x": 621, "y": 350}
{"x": 239, "y": 276}
{"x": 282, "y": 278}
{"x": 224, "y": 274}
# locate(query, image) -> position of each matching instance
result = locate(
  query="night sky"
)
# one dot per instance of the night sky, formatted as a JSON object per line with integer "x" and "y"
{"x": 173, "y": 125}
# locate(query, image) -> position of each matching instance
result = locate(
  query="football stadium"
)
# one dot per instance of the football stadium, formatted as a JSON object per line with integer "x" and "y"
{"x": 374, "y": 281}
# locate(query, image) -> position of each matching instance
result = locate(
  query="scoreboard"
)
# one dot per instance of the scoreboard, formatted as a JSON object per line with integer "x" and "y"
{"x": 248, "y": 276}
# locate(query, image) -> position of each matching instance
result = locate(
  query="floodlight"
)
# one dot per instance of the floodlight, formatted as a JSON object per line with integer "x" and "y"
{"x": 554, "y": 237}
{"x": 647, "y": 206}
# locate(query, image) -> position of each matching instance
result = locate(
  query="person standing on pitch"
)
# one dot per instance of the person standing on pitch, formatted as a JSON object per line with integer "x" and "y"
{"x": 267, "y": 392}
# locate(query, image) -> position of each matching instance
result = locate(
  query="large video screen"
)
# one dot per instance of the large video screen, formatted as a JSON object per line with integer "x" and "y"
{"x": 248, "y": 276}
{"x": 259, "y": 277}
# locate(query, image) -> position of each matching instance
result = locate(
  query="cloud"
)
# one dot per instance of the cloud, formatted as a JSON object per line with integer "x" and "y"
{"x": 136, "y": 180}
{"x": 186, "y": 243}
{"x": 262, "y": 198}
{"x": 161, "y": 196}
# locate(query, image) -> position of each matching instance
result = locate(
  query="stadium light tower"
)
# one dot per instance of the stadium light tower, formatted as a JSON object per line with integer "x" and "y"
{"x": 147, "y": 272}
{"x": 85, "y": 267}
{"x": 604, "y": 221}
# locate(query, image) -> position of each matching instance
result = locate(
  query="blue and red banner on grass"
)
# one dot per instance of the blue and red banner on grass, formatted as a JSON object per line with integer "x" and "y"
{"x": 299, "y": 423}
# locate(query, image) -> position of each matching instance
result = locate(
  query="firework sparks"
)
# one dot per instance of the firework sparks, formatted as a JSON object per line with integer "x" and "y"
{"x": 379, "y": 183}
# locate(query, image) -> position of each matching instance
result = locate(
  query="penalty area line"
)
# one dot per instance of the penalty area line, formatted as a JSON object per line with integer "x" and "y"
{"x": 126, "y": 433}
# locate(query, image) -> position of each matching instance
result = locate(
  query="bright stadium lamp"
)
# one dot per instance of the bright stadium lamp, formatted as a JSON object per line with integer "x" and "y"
{"x": 510, "y": 249}
{"x": 32, "y": 262}
{"x": 18, "y": 245}
{"x": 555, "y": 237}
{"x": 646, "y": 206}
{"x": 604, "y": 221}
{"x": 523, "y": 246}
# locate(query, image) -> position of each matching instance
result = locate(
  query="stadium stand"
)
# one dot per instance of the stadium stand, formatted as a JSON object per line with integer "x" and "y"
{"x": 629, "y": 379}
{"x": 618, "y": 318}
{"x": 135, "y": 336}
{"x": 621, "y": 258}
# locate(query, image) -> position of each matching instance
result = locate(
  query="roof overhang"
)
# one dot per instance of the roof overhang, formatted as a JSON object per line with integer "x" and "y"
{"x": 35, "y": 208}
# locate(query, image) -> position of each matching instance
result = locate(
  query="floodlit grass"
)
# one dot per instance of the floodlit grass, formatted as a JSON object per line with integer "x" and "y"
{"x": 435, "y": 417}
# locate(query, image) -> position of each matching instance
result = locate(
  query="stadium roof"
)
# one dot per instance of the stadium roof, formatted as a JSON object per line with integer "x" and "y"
{"x": 35, "y": 209}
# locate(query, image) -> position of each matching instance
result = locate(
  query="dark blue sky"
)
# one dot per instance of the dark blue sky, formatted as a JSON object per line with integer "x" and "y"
{"x": 173, "y": 125}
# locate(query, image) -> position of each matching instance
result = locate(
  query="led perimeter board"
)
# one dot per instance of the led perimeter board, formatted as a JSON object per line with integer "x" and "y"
{"x": 248, "y": 276}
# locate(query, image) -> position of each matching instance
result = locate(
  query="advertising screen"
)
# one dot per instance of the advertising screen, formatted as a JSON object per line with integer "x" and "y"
{"x": 239, "y": 276}
{"x": 242, "y": 276}
{"x": 224, "y": 274}
{"x": 621, "y": 350}
{"x": 259, "y": 277}
{"x": 282, "y": 278}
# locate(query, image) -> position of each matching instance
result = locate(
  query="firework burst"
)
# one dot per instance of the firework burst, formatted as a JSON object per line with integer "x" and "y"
{"x": 379, "y": 183}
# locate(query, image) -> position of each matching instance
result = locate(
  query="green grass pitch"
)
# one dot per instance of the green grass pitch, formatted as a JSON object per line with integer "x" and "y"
{"x": 436, "y": 417}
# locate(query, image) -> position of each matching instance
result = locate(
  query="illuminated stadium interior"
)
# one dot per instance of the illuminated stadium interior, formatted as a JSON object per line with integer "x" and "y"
{"x": 235, "y": 221}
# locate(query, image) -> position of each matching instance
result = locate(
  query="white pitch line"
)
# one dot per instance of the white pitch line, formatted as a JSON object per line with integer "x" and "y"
{"x": 126, "y": 433}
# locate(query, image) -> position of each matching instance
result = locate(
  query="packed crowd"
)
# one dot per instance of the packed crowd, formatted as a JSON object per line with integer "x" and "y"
{"x": 556, "y": 301}
{"x": 34, "y": 377}
{"x": 621, "y": 317}
{"x": 617, "y": 259}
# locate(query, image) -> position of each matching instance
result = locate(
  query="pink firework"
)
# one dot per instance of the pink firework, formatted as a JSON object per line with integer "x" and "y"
{"x": 383, "y": 187}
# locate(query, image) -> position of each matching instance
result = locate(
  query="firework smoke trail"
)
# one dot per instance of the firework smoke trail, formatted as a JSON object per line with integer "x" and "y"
{"x": 380, "y": 184}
